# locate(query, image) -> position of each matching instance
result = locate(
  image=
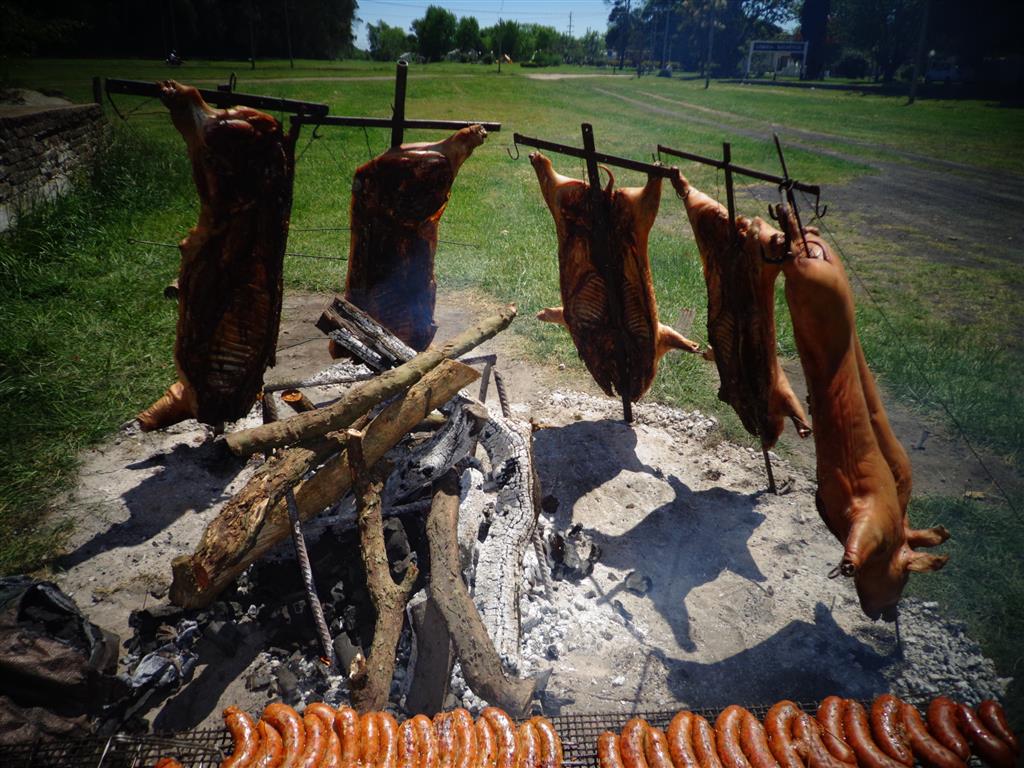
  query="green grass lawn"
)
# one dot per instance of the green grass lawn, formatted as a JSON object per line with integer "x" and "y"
{"x": 88, "y": 338}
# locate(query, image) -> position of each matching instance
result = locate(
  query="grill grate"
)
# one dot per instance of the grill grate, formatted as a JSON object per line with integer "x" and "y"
{"x": 206, "y": 748}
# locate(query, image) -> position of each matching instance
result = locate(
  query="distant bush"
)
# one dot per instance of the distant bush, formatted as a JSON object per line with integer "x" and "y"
{"x": 852, "y": 64}
{"x": 487, "y": 58}
{"x": 543, "y": 59}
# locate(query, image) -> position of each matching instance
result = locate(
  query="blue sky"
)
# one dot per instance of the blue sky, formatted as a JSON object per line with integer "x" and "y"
{"x": 555, "y": 13}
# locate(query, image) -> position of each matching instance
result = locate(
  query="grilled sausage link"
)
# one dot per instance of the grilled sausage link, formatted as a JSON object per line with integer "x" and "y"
{"x": 754, "y": 742}
{"x": 807, "y": 735}
{"x": 994, "y": 718}
{"x": 346, "y": 724}
{"x": 486, "y": 744}
{"x": 779, "y": 725}
{"x": 680, "y": 740}
{"x": 316, "y": 741}
{"x": 551, "y": 755}
{"x": 504, "y": 734}
{"x": 887, "y": 728}
{"x": 608, "y": 751}
{"x": 925, "y": 748}
{"x": 244, "y": 736}
{"x": 631, "y": 743}
{"x": 426, "y": 741}
{"x": 656, "y": 749}
{"x": 271, "y": 751}
{"x": 858, "y": 734}
{"x": 387, "y": 755}
{"x": 727, "y": 734}
{"x": 368, "y": 739}
{"x": 987, "y": 745}
{"x": 444, "y": 730}
{"x": 466, "y": 754}
{"x": 287, "y": 722}
{"x": 830, "y": 718}
{"x": 705, "y": 743}
{"x": 943, "y": 725}
{"x": 529, "y": 747}
{"x": 332, "y": 744}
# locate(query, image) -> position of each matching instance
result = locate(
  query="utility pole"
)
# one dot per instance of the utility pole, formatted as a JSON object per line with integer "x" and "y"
{"x": 570, "y": 24}
{"x": 501, "y": 34}
{"x": 711, "y": 44}
{"x": 288, "y": 33}
{"x": 922, "y": 40}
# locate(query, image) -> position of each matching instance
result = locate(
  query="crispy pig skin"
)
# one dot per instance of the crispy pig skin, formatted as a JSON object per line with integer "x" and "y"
{"x": 741, "y": 314}
{"x": 858, "y": 495}
{"x": 584, "y": 309}
{"x": 397, "y": 202}
{"x": 230, "y": 283}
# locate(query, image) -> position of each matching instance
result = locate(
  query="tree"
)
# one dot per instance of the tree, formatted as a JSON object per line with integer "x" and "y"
{"x": 504, "y": 38}
{"x": 387, "y": 43}
{"x": 814, "y": 29}
{"x": 435, "y": 33}
{"x": 467, "y": 35}
{"x": 883, "y": 28}
{"x": 593, "y": 46}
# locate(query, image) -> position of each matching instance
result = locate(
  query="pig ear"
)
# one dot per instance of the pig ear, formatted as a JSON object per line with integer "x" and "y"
{"x": 922, "y": 562}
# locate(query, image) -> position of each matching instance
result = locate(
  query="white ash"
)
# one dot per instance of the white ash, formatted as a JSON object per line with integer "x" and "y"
{"x": 687, "y": 425}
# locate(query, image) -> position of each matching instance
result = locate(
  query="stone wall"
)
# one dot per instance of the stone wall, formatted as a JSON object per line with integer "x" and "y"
{"x": 40, "y": 151}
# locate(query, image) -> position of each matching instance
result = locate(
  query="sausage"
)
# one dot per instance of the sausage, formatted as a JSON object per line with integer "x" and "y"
{"x": 858, "y": 734}
{"x": 368, "y": 739}
{"x": 504, "y": 734}
{"x": 608, "y": 751}
{"x": 271, "y": 751}
{"x": 487, "y": 745}
{"x": 680, "y": 740}
{"x": 754, "y": 742}
{"x": 807, "y": 734}
{"x": 923, "y": 745}
{"x": 167, "y": 762}
{"x": 316, "y": 741}
{"x": 727, "y": 734}
{"x": 989, "y": 747}
{"x": 529, "y": 747}
{"x": 426, "y": 741}
{"x": 705, "y": 743}
{"x": 346, "y": 724}
{"x": 243, "y": 735}
{"x": 656, "y": 748}
{"x": 387, "y": 755}
{"x": 465, "y": 748}
{"x": 332, "y": 744}
{"x": 631, "y": 743}
{"x": 779, "y": 725}
{"x": 994, "y": 718}
{"x": 445, "y": 733}
{"x": 943, "y": 725}
{"x": 830, "y": 718}
{"x": 887, "y": 728}
{"x": 287, "y": 722}
{"x": 551, "y": 755}
{"x": 408, "y": 746}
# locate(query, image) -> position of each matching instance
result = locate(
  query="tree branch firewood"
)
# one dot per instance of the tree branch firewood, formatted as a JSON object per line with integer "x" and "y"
{"x": 371, "y": 682}
{"x": 248, "y": 528}
{"x": 480, "y": 662}
{"x": 360, "y": 398}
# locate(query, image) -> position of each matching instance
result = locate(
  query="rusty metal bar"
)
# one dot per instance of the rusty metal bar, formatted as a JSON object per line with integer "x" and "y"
{"x": 398, "y": 112}
{"x": 387, "y": 122}
{"x": 221, "y": 98}
{"x": 811, "y": 189}
{"x": 601, "y": 157}
{"x": 730, "y": 196}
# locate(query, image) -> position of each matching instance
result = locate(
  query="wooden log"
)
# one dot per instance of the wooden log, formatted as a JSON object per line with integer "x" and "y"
{"x": 360, "y": 398}
{"x": 245, "y": 531}
{"x": 432, "y": 672}
{"x": 481, "y": 665}
{"x": 297, "y": 401}
{"x": 361, "y": 333}
{"x": 371, "y": 682}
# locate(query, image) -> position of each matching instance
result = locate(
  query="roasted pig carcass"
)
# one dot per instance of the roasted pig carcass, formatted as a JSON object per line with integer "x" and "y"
{"x": 397, "y": 202}
{"x": 858, "y": 497}
{"x": 741, "y": 314}
{"x": 599, "y": 338}
{"x": 230, "y": 282}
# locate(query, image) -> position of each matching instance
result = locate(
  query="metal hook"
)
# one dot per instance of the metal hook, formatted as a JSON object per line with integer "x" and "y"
{"x": 515, "y": 144}
{"x": 316, "y": 132}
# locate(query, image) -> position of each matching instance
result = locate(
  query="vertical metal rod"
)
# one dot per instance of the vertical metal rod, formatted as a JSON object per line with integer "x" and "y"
{"x": 771, "y": 475}
{"x": 790, "y": 198}
{"x": 485, "y": 378}
{"x": 602, "y": 256}
{"x": 730, "y": 197}
{"x": 499, "y": 384}
{"x": 398, "y": 114}
{"x": 324, "y": 634}
{"x": 97, "y": 90}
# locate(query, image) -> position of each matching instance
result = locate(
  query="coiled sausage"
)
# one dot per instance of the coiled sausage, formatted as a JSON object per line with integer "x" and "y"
{"x": 705, "y": 743}
{"x": 924, "y": 746}
{"x": 987, "y": 745}
{"x": 943, "y": 725}
{"x": 316, "y": 741}
{"x": 656, "y": 749}
{"x": 680, "y": 740}
{"x": 807, "y": 734}
{"x": 887, "y": 728}
{"x": 346, "y": 724}
{"x": 504, "y": 734}
{"x": 551, "y": 754}
{"x": 408, "y": 746}
{"x": 444, "y": 731}
{"x": 244, "y": 736}
{"x": 464, "y": 733}
{"x": 608, "y": 751}
{"x": 779, "y": 725}
{"x": 368, "y": 738}
{"x": 426, "y": 741}
{"x": 332, "y": 748}
{"x": 287, "y": 722}
{"x": 754, "y": 742}
{"x": 486, "y": 744}
{"x": 858, "y": 734}
{"x": 830, "y": 717}
{"x": 387, "y": 754}
{"x": 631, "y": 743}
{"x": 529, "y": 747}
{"x": 271, "y": 751}
{"x": 994, "y": 718}
{"x": 727, "y": 734}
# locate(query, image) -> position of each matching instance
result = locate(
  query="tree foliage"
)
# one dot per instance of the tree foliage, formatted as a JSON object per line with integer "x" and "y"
{"x": 435, "y": 33}
{"x": 387, "y": 43}
{"x": 467, "y": 35}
